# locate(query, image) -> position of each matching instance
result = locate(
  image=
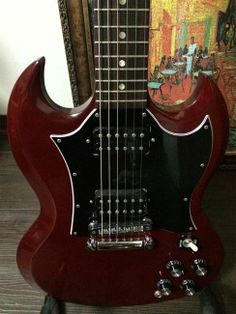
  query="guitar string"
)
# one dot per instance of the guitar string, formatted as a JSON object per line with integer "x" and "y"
{"x": 100, "y": 121}
{"x": 126, "y": 120}
{"x": 145, "y": 37}
{"x": 134, "y": 134}
{"x": 108, "y": 117}
{"x": 117, "y": 124}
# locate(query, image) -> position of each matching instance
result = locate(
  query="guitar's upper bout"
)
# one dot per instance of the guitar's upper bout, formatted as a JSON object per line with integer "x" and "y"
{"x": 31, "y": 109}
{"x": 29, "y": 91}
{"x": 33, "y": 117}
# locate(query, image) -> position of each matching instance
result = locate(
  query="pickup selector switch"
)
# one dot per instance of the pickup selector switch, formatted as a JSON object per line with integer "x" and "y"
{"x": 189, "y": 243}
{"x": 175, "y": 268}
{"x": 163, "y": 288}
{"x": 189, "y": 287}
{"x": 200, "y": 266}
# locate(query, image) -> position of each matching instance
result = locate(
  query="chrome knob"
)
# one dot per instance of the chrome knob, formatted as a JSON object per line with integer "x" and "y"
{"x": 175, "y": 268}
{"x": 200, "y": 266}
{"x": 163, "y": 288}
{"x": 189, "y": 287}
{"x": 93, "y": 225}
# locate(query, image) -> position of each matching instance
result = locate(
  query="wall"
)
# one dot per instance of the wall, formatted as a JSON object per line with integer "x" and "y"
{"x": 30, "y": 29}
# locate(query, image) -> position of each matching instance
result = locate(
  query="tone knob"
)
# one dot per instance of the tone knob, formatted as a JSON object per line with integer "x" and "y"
{"x": 163, "y": 288}
{"x": 175, "y": 268}
{"x": 201, "y": 267}
{"x": 189, "y": 287}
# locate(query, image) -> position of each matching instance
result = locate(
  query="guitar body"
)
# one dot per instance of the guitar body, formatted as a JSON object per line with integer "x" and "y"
{"x": 56, "y": 150}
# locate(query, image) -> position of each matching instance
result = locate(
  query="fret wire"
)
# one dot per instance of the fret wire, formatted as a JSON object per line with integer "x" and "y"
{"x": 122, "y": 48}
{"x": 129, "y": 85}
{"x": 121, "y": 26}
{"x": 123, "y": 100}
{"x": 114, "y": 34}
{"x": 141, "y": 80}
{"x": 124, "y": 91}
{"x": 122, "y": 56}
{"x": 120, "y": 42}
{"x": 123, "y": 10}
{"x": 120, "y": 69}
{"x": 122, "y": 77}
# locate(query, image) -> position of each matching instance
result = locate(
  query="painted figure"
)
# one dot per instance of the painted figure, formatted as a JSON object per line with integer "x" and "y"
{"x": 189, "y": 56}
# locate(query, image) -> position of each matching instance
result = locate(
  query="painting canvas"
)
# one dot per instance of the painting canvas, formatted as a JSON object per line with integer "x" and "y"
{"x": 188, "y": 39}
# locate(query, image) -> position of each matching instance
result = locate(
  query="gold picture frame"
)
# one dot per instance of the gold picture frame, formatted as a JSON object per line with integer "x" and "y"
{"x": 75, "y": 23}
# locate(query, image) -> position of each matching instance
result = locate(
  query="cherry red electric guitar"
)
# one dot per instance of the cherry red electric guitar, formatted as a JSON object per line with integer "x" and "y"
{"x": 120, "y": 181}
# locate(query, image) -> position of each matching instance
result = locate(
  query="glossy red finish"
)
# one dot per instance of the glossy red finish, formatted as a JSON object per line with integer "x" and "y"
{"x": 60, "y": 264}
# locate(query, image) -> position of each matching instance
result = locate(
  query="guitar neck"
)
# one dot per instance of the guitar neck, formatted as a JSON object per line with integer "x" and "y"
{"x": 121, "y": 29}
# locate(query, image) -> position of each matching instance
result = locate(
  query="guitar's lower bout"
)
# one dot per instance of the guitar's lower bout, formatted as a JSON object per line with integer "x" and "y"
{"x": 65, "y": 252}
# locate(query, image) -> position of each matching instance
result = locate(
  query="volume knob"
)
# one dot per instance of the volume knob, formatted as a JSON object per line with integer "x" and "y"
{"x": 163, "y": 288}
{"x": 200, "y": 266}
{"x": 189, "y": 287}
{"x": 175, "y": 268}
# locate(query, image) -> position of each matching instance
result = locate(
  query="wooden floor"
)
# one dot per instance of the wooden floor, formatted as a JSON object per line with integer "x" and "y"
{"x": 19, "y": 208}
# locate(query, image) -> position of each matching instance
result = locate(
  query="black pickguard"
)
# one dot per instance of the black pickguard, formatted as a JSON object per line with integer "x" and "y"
{"x": 171, "y": 167}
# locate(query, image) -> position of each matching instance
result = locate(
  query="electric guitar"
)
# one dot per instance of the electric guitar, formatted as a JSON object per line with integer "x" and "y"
{"x": 120, "y": 181}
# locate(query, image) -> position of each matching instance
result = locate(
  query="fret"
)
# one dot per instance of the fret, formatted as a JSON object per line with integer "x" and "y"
{"x": 122, "y": 75}
{"x": 131, "y": 34}
{"x": 113, "y": 48}
{"x": 121, "y": 56}
{"x": 121, "y": 96}
{"x": 139, "y": 80}
{"x": 121, "y": 9}
{"x": 122, "y": 100}
{"x": 120, "y": 42}
{"x": 122, "y": 26}
{"x": 122, "y": 91}
{"x": 130, "y": 63}
{"x": 130, "y": 85}
{"x": 120, "y": 69}
{"x": 123, "y": 105}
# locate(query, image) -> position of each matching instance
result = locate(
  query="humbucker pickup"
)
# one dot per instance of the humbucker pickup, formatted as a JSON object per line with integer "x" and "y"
{"x": 130, "y": 202}
{"x": 120, "y": 221}
{"x": 127, "y": 140}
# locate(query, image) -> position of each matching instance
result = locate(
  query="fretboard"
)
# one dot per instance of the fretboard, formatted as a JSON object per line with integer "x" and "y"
{"x": 121, "y": 52}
